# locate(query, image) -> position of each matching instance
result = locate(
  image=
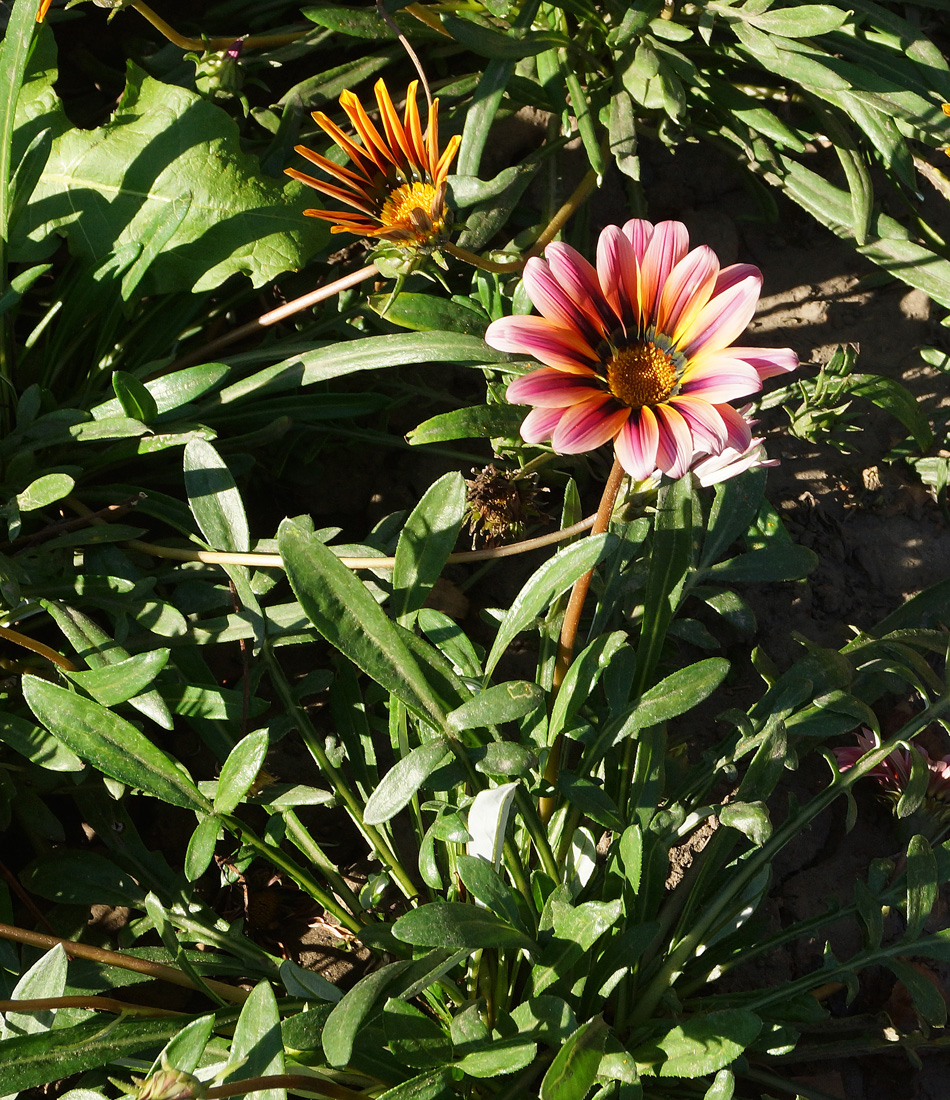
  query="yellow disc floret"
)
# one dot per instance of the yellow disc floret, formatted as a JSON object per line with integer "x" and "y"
{"x": 641, "y": 375}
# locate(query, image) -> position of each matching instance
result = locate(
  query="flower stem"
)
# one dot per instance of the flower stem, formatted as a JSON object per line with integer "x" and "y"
{"x": 103, "y": 1004}
{"x": 259, "y": 41}
{"x": 37, "y": 647}
{"x": 288, "y": 309}
{"x": 572, "y": 618}
{"x": 298, "y": 1082}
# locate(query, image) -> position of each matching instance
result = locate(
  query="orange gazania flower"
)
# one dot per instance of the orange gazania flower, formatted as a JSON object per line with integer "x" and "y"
{"x": 396, "y": 184}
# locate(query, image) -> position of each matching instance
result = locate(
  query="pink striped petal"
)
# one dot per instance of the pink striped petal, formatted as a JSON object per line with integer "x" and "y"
{"x": 617, "y": 274}
{"x": 636, "y": 444}
{"x": 718, "y": 377}
{"x": 540, "y": 424}
{"x": 552, "y": 388}
{"x": 587, "y": 426}
{"x": 552, "y": 302}
{"x": 739, "y": 428}
{"x": 687, "y": 291}
{"x": 730, "y": 463}
{"x": 554, "y": 346}
{"x": 767, "y": 361}
{"x": 668, "y": 245}
{"x": 704, "y": 421}
{"x": 579, "y": 280}
{"x": 676, "y": 448}
{"x": 638, "y": 232}
{"x": 728, "y": 311}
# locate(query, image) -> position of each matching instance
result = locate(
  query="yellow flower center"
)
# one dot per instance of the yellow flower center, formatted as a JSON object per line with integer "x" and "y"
{"x": 641, "y": 375}
{"x": 409, "y": 207}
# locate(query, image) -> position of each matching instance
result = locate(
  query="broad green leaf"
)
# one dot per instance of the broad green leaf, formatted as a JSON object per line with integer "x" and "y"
{"x": 576, "y": 930}
{"x": 571, "y": 1074}
{"x": 511, "y": 44}
{"x": 14, "y": 52}
{"x": 678, "y": 693}
{"x": 773, "y": 563}
{"x": 403, "y": 780}
{"x": 477, "y": 422}
{"x": 104, "y": 190}
{"x": 308, "y": 984}
{"x": 45, "y": 978}
{"x": 750, "y": 818}
{"x": 800, "y": 21}
{"x": 554, "y": 577}
{"x": 496, "y": 705}
{"x": 502, "y": 1056}
{"x": 257, "y": 1049}
{"x": 414, "y": 1038}
{"x": 45, "y": 490}
{"x": 185, "y": 1050}
{"x": 705, "y": 1043}
{"x": 134, "y": 398}
{"x": 201, "y": 846}
{"x": 733, "y": 511}
{"x": 631, "y": 855}
{"x": 114, "y": 684}
{"x": 455, "y": 924}
{"x": 37, "y": 745}
{"x": 344, "y": 612}
{"x": 484, "y": 883}
{"x": 172, "y": 391}
{"x": 36, "y": 1060}
{"x": 426, "y": 313}
{"x": 427, "y": 539}
{"x": 591, "y": 799}
{"x": 581, "y": 679}
{"x": 921, "y": 886}
{"x": 214, "y": 499}
{"x": 239, "y": 771}
{"x": 434, "y": 1085}
{"x": 82, "y": 878}
{"x": 723, "y": 1087}
{"x": 111, "y": 744}
{"x": 347, "y": 1016}
{"x": 925, "y": 992}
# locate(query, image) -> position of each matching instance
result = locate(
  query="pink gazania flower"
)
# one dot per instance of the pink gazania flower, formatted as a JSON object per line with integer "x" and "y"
{"x": 639, "y": 349}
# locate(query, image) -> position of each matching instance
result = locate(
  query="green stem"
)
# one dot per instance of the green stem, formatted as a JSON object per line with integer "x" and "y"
{"x": 312, "y": 850}
{"x": 298, "y": 874}
{"x": 315, "y": 746}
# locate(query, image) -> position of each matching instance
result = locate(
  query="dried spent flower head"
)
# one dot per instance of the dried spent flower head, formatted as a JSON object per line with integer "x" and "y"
{"x": 499, "y": 503}
{"x": 396, "y": 182}
{"x": 639, "y": 350}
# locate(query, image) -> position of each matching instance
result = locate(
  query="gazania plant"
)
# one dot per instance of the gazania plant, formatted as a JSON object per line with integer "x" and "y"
{"x": 395, "y": 186}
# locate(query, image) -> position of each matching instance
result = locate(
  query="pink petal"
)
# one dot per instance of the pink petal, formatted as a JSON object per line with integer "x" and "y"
{"x": 579, "y": 280}
{"x": 551, "y": 300}
{"x": 540, "y": 424}
{"x": 767, "y": 361}
{"x": 617, "y": 274}
{"x": 668, "y": 245}
{"x": 730, "y": 463}
{"x": 728, "y": 311}
{"x": 586, "y": 426}
{"x": 551, "y": 388}
{"x": 687, "y": 291}
{"x": 554, "y": 346}
{"x": 704, "y": 421}
{"x": 638, "y": 232}
{"x": 740, "y": 431}
{"x": 677, "y": 448}
{"x": 637, "y": 442}
{"x": 719, "y": 378}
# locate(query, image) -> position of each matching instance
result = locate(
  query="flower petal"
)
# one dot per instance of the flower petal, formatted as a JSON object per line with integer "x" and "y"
{"x": 579, "y": 280}
{"x": 617, "y": 274}
{"x": 728, "y": 311}
{"x": 676, "y": 449}
{"x": 668, "y": 245}
{"x": 636, "y": 444}
{"x": 552, "y": 388}
{"x": 588, "y": 425}
{"x": 687, "y": 290}
{"x": 638, "y": 232}
{"x": 539, "y": 424}
{"x": 553, "y": 345}
{"x": 767, "y": 361}
{"x": 704, "y": 421}
{"x": 554, "y": 303}
{"x": 719, "y": 378}
{"x": 739, "y": 428}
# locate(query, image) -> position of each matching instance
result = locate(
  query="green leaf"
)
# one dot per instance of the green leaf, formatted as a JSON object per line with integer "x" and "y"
{"x": 576, "y": 930}
{"x": 185, "y": 1050}
{"x": 172, "y": 391}
{"x": 106, "y": 190}
{"x": 571, "y": 1074}
{"x": 239, "y": 771}
{"x": 134, "y": 398}
{"x": 581, "y": 679}
{"x": 477, "y": 422}
{"x": 82, "y": 878}
{"x": 214, "y": 499}
{"x": 773, "y": 563}
{"x": 553, "y": 578}
{"x": 309, "y": 984}
{"x": 111, "y": 744}
{"x": 590, "y": 799}
{"x": 36, "y": 1060}
{"x": 890, "y": 395}
{"x": 345, "y": 1020}
{"x": 502, "y": 1056}
{"x": 37, "y": 745}
{"x": 14, "y": 52}
{"x": 484, "y": 883}
{"x": 114, "y": 684}
{"x": 510, "y": 44}
{"x": 455, "y": 924}
{"x": 678, "y": 693}
{"x": 733, "y": 512}
{"x": 425, "y": 543}
{"x": 344, "y": 612}
{"x": 201, "y": 846}
{"x": 45, "y": 490}
{"x": 414, "y": 1038}
{"x": 45, "y": 978}
{"x": 921, "y": 886}
{"x": 750, "y": 818}
{"x": 800, "y": 21}
{"x": 434, "y": 1085}
{"x": 257, "y": 1049}
{"x": 496, "y": 705}
{"x": 924, "y": 991}
{"x": 705, "y": 1043}
{"x": 403, "y": 780}
{"x": 427, "y": 313}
